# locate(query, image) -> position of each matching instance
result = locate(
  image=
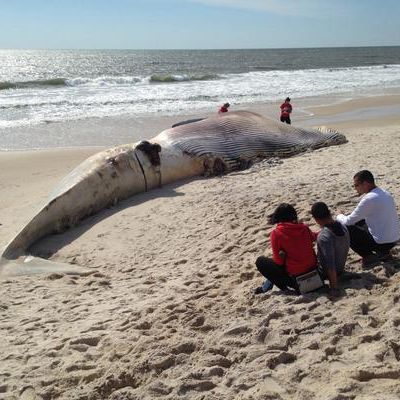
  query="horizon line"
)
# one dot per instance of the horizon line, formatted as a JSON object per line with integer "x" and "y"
{"x": 199, "y": 49}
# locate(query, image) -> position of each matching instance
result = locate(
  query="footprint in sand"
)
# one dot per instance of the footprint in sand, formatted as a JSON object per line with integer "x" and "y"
{"x": 88, "y": 340}
{"x": 29, "y": 394}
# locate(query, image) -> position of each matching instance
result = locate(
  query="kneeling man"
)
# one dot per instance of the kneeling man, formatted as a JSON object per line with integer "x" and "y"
{"x": 374, "y": 223}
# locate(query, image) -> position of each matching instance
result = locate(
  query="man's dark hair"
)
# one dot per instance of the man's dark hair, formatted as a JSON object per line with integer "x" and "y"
{"x": 320, "y": 210}
{"x": 283, "y": 213}
{"x": 364, "y": 176}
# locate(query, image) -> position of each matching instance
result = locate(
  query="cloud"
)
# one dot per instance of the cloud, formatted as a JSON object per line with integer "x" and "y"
{"x": 306, "y": 8}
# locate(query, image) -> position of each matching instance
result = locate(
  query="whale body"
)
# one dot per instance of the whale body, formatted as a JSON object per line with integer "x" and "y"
{"x": 210, "y": 146}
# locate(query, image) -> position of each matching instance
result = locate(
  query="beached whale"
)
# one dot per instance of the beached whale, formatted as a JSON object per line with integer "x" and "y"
{"x": 210, "y": 146}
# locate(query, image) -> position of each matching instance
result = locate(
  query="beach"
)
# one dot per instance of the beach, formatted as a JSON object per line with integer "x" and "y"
{"x": 167, "y": 308}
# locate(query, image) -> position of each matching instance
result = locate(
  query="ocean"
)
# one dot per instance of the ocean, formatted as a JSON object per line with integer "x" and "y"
{"x": 45, "y": 86}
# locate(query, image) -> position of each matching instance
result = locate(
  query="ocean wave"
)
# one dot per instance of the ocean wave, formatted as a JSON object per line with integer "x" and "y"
{"x": 71, "y": 82}
{"x": 33, "y": 84}
{"x": 104, "y": 81}
{"x": 202, "y": 97}
{"x": 182, "y": 78}
{"x": 126, "y": 80}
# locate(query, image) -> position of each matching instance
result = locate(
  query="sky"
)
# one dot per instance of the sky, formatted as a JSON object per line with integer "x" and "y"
{"x": 197, "y": 24}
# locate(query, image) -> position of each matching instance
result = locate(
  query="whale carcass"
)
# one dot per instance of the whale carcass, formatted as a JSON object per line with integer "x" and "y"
{"x": 211, "y": 146}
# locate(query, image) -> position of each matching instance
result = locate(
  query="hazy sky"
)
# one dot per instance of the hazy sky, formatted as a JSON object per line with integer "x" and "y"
{"x": 206, "y": 24}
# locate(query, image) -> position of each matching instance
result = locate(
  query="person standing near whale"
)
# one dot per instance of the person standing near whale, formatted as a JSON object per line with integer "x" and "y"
{"x": 286, "y": 110}
{"x": 224, "y": 108}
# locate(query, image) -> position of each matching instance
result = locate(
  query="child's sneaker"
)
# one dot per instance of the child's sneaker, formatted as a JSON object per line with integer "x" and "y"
{"x": 267, "y": 285}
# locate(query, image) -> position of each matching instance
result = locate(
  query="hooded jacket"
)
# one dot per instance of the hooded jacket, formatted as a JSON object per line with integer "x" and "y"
{"x": 296, "y": 240}
{"x": 286, "y": 109}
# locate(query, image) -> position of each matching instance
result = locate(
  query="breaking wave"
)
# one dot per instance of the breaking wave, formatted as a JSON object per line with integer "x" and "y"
{"x": 33, "y": 84}
{"x": 182, "y": 78}
{"x": 104, "y": 81}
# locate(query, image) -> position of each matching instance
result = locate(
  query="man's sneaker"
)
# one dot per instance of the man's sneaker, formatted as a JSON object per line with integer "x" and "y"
{"x": 369, "y": 261}
{"x": 384, "y": 256}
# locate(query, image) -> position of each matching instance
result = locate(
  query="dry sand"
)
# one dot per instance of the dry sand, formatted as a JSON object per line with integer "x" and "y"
{"x": 168, "y": 310}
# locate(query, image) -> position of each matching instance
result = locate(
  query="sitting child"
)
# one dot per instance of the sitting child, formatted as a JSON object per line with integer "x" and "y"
{"x": 333, "y": 244}
{"x": 292, "y": 251}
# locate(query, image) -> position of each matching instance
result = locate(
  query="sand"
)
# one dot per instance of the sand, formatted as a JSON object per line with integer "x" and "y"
{"x": 167, "y": 309}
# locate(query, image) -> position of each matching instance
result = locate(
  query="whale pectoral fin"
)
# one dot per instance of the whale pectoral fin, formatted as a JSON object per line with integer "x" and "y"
{"x": 30, "y": 265}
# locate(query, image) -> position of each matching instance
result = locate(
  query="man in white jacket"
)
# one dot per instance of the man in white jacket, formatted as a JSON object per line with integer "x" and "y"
{"x": 374, "y": 223}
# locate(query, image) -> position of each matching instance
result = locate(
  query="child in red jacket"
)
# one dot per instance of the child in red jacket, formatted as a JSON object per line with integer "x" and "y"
{"x": 292, "y": 251}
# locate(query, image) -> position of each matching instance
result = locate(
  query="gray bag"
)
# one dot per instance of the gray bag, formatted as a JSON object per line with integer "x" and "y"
{"x": 309, "y": 281}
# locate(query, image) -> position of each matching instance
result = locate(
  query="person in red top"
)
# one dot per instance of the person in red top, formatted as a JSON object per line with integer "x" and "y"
{"x": 286, "y": 110}
{"x": 224, "y": 108}
{"x": 292, "y": 251}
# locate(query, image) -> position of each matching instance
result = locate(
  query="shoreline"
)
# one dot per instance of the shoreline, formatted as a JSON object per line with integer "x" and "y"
{"x": 333, "y": 110}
